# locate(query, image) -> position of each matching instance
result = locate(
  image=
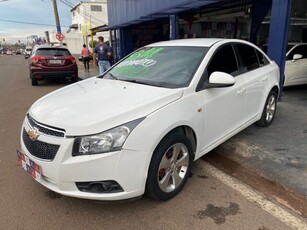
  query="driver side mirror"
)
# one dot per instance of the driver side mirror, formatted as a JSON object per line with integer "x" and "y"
{"x": 297, "y": 57}
{"x": 221, "y": 79}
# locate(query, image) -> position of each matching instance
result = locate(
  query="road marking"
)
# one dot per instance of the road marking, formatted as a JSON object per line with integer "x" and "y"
{"x": 249, "y": 194}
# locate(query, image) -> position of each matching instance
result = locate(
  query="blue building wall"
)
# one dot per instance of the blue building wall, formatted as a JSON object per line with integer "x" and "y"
{"x": 122, "y": 11}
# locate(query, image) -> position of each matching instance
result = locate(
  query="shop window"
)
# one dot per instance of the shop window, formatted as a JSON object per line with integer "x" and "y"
{"x": 96, "y": 8}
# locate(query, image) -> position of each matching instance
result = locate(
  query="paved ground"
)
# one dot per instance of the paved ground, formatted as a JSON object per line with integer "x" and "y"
{"x": 277, "y": 153}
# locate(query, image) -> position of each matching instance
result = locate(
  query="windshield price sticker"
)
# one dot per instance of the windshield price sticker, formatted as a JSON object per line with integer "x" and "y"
{"x": 137, "y": 63}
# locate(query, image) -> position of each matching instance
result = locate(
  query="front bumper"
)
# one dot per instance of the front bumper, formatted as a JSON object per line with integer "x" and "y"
{"x": 126, "y": 167}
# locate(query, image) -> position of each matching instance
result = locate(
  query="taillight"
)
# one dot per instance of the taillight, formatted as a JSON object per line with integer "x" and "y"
{"x": 37, "y": 59}
{"x": 71, "y": 58}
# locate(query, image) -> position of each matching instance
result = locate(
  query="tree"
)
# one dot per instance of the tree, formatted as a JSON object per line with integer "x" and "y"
{"x": 93, "y": 43}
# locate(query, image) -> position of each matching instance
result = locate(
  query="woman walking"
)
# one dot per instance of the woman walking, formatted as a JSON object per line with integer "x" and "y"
{"x": 85, "y": 52}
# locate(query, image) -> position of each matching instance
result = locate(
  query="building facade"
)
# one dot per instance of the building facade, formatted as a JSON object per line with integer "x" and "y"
{"x": 136, "y": 23}
{"x": 85, "y": 16}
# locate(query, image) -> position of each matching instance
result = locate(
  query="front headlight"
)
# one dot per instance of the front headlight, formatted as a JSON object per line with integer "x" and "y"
{"x": 107, "y": 141}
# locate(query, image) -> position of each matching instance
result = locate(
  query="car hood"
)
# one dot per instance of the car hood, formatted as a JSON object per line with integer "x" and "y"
{"x": 95, "y": 105}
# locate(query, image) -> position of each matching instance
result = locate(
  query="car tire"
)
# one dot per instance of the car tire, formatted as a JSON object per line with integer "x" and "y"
{"x": 269, "y": 110}
{"x": 169, "y": 170}
{"x": 34, "y": 81}
{"x": 74, "y": 80}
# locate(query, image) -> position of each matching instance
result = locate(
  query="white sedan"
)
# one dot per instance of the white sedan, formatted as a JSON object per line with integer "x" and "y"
{"x": 296, "y": 64}
{"x": 138, "y": 127}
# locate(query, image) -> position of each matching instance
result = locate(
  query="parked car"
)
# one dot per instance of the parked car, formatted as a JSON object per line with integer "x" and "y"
{"x": 28, "y": 52}
{"x": 296, "y": 64}
{"x": 3, "y": 51}
{"x": 138, "y": 127}
{"x": 52, "y": 62}
{"x": 18, "y": 52}
{"x": 9, "y": 52}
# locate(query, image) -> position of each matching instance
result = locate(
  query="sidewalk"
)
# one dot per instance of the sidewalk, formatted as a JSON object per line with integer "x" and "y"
{"x": 278, "y": 152}
{"x": 82, "y": 75}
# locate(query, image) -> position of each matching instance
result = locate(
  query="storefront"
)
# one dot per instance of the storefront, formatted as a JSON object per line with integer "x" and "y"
{"x": 137, "y": 23}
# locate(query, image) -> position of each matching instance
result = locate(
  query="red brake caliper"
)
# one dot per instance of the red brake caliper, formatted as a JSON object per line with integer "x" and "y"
{"x": 161, "y": 173}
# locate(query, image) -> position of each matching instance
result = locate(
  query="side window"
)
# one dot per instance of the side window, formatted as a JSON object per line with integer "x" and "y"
{"x": 301, "y": 49}
{"x": 262, "y": 59}
{"x": 224, "y": 60}
{"x": 248, "y": 56}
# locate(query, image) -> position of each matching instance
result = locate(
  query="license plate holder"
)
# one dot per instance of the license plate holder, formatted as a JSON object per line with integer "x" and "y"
{"x": 28, "y": 165}
{"x": 55, "y": 62}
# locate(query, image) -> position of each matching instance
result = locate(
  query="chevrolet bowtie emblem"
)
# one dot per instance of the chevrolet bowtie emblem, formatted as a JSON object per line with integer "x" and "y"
{"x": 33, "y": 135}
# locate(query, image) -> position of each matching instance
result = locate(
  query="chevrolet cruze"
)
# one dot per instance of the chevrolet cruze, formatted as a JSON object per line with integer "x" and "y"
{"x": 137, "y": 128}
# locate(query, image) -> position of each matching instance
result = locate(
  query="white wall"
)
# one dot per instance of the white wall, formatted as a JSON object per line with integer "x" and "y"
{"x": 81, "y": 15}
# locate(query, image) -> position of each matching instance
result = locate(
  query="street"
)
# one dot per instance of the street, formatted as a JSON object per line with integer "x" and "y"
{"x": 210, "y": 199}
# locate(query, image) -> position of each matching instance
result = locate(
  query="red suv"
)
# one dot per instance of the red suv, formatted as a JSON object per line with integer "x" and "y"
{"x": 52, "y": 62}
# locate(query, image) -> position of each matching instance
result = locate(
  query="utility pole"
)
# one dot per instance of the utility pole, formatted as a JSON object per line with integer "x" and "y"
{"x": 56, "y": 14}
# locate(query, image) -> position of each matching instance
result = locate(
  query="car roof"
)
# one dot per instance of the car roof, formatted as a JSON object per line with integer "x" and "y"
{"x": 50, "y": 47}
{"x": 199, "y": 42}
{"x": 296, "y": 43}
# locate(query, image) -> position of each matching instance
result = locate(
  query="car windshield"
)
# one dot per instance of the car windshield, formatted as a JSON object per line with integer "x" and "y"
{"x": 52, "y": 52}
{"x": 170, "y": 67}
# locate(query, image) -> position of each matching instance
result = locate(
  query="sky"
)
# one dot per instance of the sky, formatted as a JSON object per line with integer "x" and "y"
{"x": 31, "y": 11}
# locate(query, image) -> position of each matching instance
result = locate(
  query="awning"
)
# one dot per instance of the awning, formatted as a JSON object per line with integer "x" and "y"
{"x": 125, "y": 13}
{"x": 100, "y": 28}
{"x": 74, "y": 26}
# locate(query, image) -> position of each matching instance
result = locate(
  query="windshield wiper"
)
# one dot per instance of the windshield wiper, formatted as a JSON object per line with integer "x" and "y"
{"x": 111, "y": 76}
{"x": 134, "y": 81}
{"x": 140, "y": 82}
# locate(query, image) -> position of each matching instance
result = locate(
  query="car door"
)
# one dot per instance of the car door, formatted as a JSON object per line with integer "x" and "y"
{"x": 296, "y": 70}
{"x": 253, "y": 68}
{"x": 223, "y": 108}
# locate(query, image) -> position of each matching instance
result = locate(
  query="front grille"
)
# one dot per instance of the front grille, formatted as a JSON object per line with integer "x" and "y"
{"x": 40, "y": 149}
{"x": 45, "y": 130}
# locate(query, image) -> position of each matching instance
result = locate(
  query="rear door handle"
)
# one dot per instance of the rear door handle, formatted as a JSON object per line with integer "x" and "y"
{"x": 265, "y": 79}
{"x": 241, "y": 91}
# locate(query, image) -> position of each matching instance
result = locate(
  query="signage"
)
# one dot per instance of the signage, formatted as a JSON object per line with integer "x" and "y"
{"x": 59, "y": 36}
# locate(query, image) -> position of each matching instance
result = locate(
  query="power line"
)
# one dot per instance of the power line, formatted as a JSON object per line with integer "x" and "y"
{"x": 28, "y": 23}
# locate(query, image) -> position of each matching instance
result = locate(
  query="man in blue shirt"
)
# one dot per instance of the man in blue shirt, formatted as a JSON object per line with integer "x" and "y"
{"x": 103, "y": 52}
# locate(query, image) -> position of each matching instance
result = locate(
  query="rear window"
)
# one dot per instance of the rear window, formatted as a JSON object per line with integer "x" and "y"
{"x": 52, "y": 52}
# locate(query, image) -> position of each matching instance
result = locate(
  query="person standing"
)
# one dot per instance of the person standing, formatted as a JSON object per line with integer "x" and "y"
{"x": 103, "y": 53}
{"x": 111, "y": 56}
{"x": 85, "y": 52}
